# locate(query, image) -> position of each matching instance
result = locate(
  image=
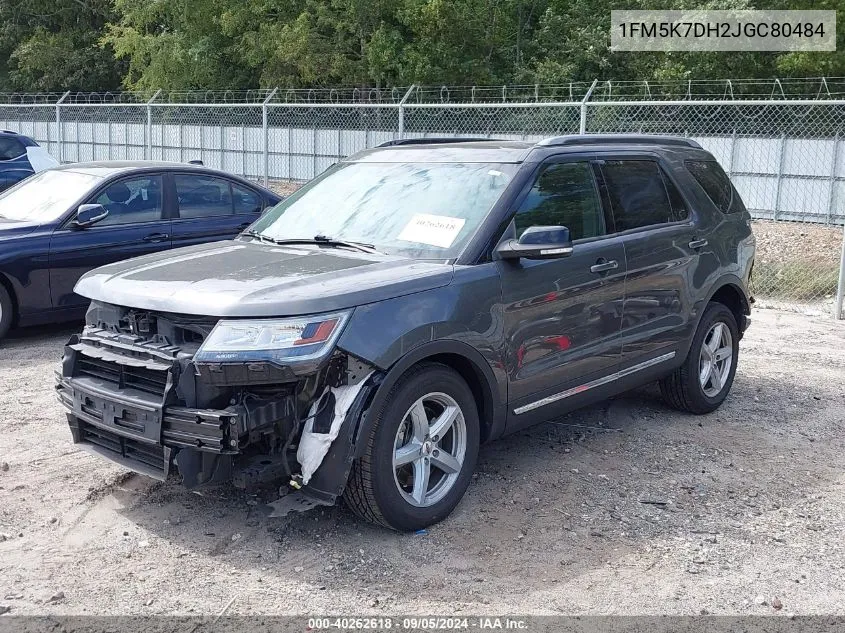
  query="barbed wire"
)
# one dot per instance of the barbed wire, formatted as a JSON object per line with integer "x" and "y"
{"x": 810, "y": 88}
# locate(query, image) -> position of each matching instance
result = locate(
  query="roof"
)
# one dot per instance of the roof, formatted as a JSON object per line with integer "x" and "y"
{"x": 108, "y": 168}
{"x": 492, "y": 151}
{"x": 439, "y": 150}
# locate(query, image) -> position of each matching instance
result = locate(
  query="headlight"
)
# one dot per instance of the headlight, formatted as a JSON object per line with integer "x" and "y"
{"x": 277, "y": 340}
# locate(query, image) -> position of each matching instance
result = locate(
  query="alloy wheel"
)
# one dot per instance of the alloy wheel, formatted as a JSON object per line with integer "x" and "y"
{"x": 715, "y": 359}
{"x": 429, "y": 449}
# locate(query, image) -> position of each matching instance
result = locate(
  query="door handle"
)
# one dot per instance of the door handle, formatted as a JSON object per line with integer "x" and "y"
{"x": 157, "y": 237}
{"x": 696, "y": 244}
{"x": 602, "y": 266}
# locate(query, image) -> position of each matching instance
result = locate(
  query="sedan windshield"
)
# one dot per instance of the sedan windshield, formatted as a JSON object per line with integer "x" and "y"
{"x": 46, "y": 196}
{"x": 420, "y": 210}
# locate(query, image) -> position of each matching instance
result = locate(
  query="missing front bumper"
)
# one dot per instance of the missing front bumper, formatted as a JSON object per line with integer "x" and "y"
{"x": 139, "y": 433}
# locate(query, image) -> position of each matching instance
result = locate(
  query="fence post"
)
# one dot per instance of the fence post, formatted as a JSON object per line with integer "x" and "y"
{"x": 840, "y": 287}
{"x": 61, "y": 148}
{"x": 732, "y": 154}
{"x": 582, "y": 128}
{"x": 780, "y": 176}
{"x": 266, "y": 136}
{"x": 832, "y": 179}
{"x": 401, "y": 127}
{"x": 148, "y": 154}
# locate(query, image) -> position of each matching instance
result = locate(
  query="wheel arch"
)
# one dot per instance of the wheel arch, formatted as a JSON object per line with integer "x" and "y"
{"x": 7, "y": 285}
{"x": 467, "y": 362}
{"x": 729, "y": 292}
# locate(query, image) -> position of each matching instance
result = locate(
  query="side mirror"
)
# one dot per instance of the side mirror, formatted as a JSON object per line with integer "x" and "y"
{"x": 89, "y": 214}
{"x": 538, "y": 242}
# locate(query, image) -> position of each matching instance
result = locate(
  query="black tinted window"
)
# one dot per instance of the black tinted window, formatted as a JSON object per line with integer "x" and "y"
{"x": 638, "y": 193}
{"x": 202, "y": 196}
{"x": 246, "y": 201}
{"x": 563, "y": 195}
{"x": 715, "y": 183}
{"x": 10, "y": 148}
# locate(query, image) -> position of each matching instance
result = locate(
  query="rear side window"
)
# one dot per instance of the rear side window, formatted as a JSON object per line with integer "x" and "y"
{"x": 202, "y": 196}
{"x": 564, "y": 194}
{"x": 716, "y": 184}
{"x": 10, "y": 148}
{"x": 246, "y": 201}
{"x": 640, "y": 194}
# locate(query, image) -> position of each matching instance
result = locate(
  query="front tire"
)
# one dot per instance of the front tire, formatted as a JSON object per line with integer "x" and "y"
{"x": 703, "y": 382}
{"x": 421, "y": 452}
{"x": 6, "y": 312}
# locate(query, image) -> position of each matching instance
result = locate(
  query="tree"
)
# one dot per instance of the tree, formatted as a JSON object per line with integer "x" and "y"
{"x": 54, "y": 45}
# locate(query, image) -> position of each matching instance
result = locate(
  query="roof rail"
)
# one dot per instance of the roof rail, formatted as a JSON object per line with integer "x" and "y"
{"x": 613, "y": 139}
{"x": 433, "y": 140}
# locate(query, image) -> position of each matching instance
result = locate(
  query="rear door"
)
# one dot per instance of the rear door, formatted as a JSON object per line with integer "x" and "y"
{"x": 136, "y": 225}
{"x": 657, "y": 229}
{"x": 210, "y": 208}
{"x": 562, "y": 316}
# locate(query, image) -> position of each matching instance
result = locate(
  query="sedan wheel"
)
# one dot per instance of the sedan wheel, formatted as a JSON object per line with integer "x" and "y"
{"x": 5, "y": 311}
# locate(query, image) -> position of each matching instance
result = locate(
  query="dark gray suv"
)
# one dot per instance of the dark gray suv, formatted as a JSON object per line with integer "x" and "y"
{"x": 366, "y": 334}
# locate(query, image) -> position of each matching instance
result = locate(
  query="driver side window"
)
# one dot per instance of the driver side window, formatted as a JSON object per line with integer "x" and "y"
{"x": 564, "y": 194}
{"x": 131, "y": 201}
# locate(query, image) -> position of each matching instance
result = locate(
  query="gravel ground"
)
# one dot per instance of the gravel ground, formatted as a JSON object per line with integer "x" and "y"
{"x": 623, "y": 508}
{"x": 778, "y": 242}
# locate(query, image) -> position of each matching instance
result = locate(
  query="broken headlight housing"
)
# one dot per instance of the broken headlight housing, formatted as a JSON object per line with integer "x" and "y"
{"x": 283, "y": 341}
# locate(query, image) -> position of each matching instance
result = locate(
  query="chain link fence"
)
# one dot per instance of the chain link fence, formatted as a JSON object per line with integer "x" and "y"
{"x": 782, "y": 143}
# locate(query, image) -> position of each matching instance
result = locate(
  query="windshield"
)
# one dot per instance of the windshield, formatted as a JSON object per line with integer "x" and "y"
{"x": 420, "y": 210}
{"x": 46, "y": 196}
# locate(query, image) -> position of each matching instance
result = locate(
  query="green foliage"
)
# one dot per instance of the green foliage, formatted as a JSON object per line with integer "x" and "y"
{"x": 52, "y": 45}
{"x": 795, "y": 279}
{"x": 237, "y": 44}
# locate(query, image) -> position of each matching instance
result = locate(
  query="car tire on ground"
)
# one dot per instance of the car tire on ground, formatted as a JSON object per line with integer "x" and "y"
{"x": 6, "y": 312}
{"x": 421, "y": 452}
{"x": 703, "y": 382}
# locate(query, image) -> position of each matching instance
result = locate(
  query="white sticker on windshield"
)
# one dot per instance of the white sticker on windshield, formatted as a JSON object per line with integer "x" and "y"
{"x": 436, "y": 230}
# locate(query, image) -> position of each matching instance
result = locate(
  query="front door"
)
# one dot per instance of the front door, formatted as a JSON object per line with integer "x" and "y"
{"x": 562, "y": 316}
{"x": 136, "y": 225}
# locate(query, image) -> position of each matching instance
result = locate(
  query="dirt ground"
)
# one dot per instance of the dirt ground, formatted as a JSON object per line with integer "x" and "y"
{"x": 623, "y": 508}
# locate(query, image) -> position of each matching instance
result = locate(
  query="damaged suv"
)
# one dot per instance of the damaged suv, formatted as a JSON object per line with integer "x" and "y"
{"x": 365, "y": 335}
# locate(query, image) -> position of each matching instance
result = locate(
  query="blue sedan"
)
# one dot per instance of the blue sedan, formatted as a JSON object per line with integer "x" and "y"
{"x": 58, "y": 224}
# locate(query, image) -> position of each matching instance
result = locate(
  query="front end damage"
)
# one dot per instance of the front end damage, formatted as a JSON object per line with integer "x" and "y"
{"x": 136, "y": 394}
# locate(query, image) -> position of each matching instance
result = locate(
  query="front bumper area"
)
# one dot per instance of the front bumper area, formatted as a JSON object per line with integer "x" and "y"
{"x": 145, "y": 404}
{"x": 122, "y": 403}
{"x": 137, "y": 430}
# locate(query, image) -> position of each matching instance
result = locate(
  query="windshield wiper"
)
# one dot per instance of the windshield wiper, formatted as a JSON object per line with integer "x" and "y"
{"x": 317, "y": 239}
{"x": 361, "y": 246}
{"x": 259, "y": 236}
{"x": 322, "y": 240}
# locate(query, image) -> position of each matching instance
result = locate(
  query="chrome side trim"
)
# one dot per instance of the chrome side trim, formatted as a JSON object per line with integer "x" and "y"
{"x": 598, "y": 382}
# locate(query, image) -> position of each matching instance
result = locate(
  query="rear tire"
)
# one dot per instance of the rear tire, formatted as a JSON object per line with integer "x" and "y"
{"x": 703, "y": 382}
{"x": 6, "y": 312}
{"x": 421, "y": 452}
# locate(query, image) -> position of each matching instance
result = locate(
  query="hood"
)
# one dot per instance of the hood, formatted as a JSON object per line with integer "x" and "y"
{"x": 245, "y": 279}
{"x": 15, "y": 228}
